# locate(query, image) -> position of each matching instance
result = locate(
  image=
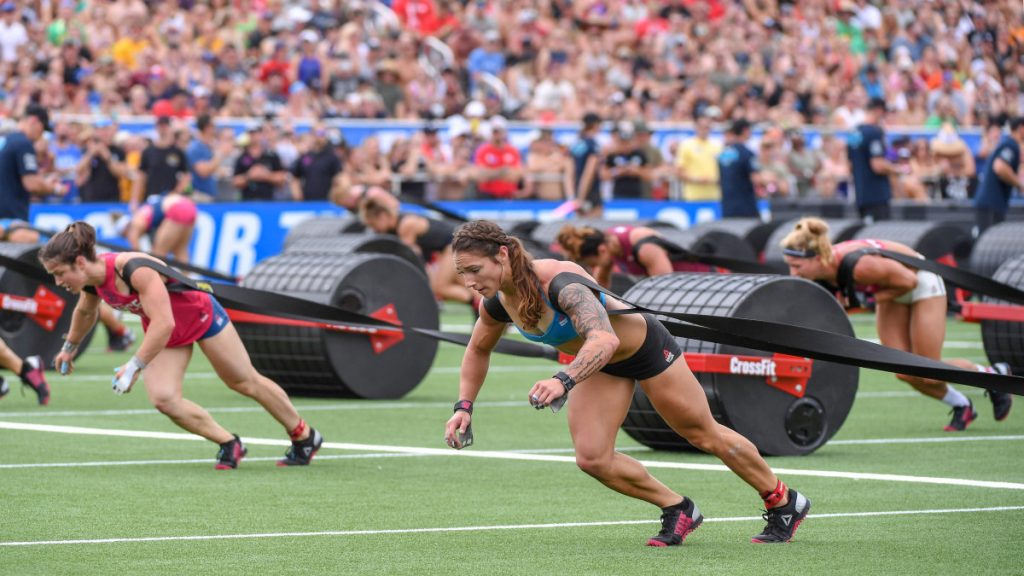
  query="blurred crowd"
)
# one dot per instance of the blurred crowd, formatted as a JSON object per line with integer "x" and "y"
{"x": 789, "y": 62}
{"x": 472, "y": 66}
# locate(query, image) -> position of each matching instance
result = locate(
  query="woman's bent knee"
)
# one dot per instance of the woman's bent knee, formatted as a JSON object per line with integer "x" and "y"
{"x": 596, "y": 466}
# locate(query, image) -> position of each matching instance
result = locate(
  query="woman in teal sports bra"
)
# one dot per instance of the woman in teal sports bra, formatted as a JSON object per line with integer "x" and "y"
{"x": 612, "y": 354}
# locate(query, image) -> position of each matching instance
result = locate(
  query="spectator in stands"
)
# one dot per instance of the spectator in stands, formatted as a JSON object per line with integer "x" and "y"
{"x": 258, "y": 171}
{"x": 549, "y": 169}
{"x": 655, "y": 186}
{"x": 586, "y": 156}
{"x": 424, "y": 163}
{"x": 498, "y": 166}
{"x": 174, "y": 104}
{"x": 871, "y": 170}
{"x": 66, "y": 152}
{"x": 13, "y": 36}
{"x": 625, "y": 166}
{"x": 999, "y": 177}
{"x": 834, "y": 178}
{"x": 921, "y": 181}
{"x": 206, "y": 153}
{"x": 697, "y": 159}
{"x": 739, "y": 173}
{"x": 555, "y": 96}
{"x": 163, "y": 167}
{"x": 486, "y": 59}
{"x": 957, "y": 171}
{"x": 102, "y": 165}
{"x": 369, "y": 165}
{"x": 389, "y": 86}
{"x": 315, "y": 170}
{"x": 775, "y": 176}
{"x": 804, "y": 163}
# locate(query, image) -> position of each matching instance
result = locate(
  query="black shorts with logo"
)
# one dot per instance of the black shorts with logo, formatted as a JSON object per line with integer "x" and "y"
{"x": 654, "y": 356}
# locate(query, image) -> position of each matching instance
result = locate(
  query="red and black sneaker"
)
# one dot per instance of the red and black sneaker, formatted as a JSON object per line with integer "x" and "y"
{"x": 302, "y": 451}
{"x": 32, "y": 376}
{"x": 1001, "y": 401}
{"x": 676, "y": 524}
{"x": 962, "y": 416}
{"x": 783, "y": 520}
{"x": 230, "y": 454}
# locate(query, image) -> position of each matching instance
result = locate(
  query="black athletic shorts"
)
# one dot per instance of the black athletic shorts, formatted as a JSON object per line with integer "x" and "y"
{"x": 654, "y": 356}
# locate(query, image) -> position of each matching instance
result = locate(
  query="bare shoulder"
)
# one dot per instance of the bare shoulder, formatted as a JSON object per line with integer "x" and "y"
{"x": 640, "y": 232}
{"x": 547, "y": 268}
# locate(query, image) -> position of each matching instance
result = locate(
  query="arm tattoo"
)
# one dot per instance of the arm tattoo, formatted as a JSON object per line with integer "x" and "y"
{"x": 590, "y": 319}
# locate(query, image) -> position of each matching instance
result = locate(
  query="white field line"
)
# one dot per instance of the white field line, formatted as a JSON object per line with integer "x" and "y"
{"x": 369, "y": 455}
{"x": 496, "y": 455}
{"x": 940, "y": 440}
{"x": 450, "y": 529}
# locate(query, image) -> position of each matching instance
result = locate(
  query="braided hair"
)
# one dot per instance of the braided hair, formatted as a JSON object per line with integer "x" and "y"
{"x": 486, "y": 239}
{"x": 78, "y": 239}
{"x": 580, "y": 243}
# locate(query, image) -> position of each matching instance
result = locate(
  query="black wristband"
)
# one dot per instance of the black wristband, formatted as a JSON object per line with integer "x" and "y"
{"x": 566, "y": 381}
{"x": 465, "y": 406}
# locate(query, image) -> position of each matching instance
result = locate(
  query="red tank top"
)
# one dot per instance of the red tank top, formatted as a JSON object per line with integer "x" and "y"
{"x": 628, "y": 264}
{"x": 192, "y": 310}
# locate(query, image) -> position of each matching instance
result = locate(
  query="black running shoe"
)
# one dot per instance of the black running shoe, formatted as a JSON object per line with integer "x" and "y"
{"x": 676, "y": 524}
{"x": 302, "y": 451}
{"x": 962, "y": 416}
{"x": 1001, "y": 401}
{"x": 34, "y": 378}
{"x": 230, "y": 454}
{"x": 4, "y": 387}
{"x": 120, "y": 343}
{"x": 783, "y": 520}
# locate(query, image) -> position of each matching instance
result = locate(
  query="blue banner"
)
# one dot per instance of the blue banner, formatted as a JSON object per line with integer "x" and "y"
{"x": 232, "y": 237}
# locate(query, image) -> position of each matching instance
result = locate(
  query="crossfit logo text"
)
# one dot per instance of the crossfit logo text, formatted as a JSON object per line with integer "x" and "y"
{"x": 763, "y": 367}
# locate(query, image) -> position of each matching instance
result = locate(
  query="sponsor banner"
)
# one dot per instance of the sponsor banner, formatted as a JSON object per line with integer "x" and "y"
{"x": 232, "y": 237}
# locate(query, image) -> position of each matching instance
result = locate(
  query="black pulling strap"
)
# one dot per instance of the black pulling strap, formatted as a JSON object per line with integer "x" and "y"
{"x": 679, "y": 254}
{"x": 800, "y": 341}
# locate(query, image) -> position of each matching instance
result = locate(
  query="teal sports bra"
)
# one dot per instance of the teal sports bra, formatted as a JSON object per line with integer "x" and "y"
{"x": 559, "y": 331}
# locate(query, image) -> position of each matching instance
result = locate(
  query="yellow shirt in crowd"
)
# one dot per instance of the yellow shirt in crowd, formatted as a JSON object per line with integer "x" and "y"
{"x": 126, "y": 50}
{"x": 698, "y": 158}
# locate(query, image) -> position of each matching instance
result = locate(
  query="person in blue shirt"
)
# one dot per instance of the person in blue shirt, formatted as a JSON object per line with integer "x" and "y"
{"x": 1000, "y": 176}
{"x": 205, "y": 153}
{"x": 586, "y": 157}
{"x": 19, "y": 167}
{"x": 871, "y": 170}
{"x": 738, "y": 173}
{"x": 489, "y": 58}
{"x": 612, "y": 354}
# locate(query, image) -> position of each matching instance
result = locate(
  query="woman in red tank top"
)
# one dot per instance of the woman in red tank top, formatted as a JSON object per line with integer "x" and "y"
{"x": 910, "y": 307}
{"x": 616, "y": 249}
{"x": 172, "y": 321}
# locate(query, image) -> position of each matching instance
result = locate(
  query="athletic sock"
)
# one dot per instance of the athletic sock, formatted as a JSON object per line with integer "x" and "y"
{"x": 955, "y": 398}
